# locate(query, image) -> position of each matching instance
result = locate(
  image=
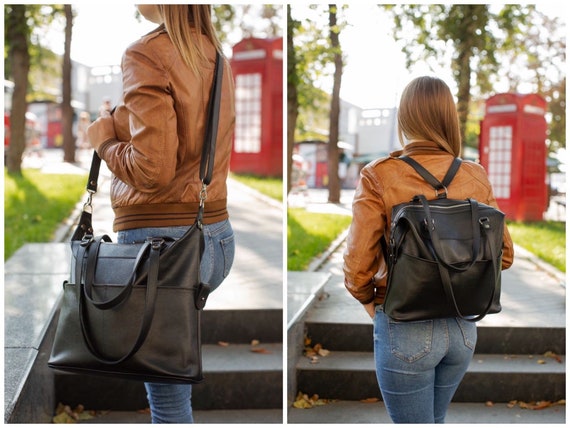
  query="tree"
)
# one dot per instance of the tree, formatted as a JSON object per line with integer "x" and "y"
{"x": 472, "y": 32}
{"x": 17, "y": 36}
{"x": 21, "y": 52}
{"x": 314, "y": 57}
{"x": 333, "y": 152}
{"x": 292, "y": 96}
{"x": 66, "y": 108}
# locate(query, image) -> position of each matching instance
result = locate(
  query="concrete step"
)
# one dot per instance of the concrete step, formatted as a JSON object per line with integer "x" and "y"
{"x": 242, "y": 325}
{"x": 356, "y": 412}
{"x": 244, "y": 416}
{"x": 236, "y": 378}
{"x": 500, "y": 378}
{"x": 341, "y": 336}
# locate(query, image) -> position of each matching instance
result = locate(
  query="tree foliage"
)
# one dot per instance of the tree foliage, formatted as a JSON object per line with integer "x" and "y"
{"x": 471, "y": 34}
{"x": 485, "y": 46}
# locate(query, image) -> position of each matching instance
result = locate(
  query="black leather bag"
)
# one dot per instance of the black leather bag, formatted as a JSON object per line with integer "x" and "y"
{"x": 444, "y": 256}
{"x": 133, "y": 310}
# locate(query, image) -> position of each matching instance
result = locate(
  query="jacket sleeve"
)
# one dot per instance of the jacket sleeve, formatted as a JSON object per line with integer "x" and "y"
{"x": 144, "y": 153}
{"x": 363, "y": 256}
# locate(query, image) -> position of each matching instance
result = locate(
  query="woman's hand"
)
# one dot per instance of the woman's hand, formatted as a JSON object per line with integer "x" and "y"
{"x": 370, "y": 309}
{"x": 103, "y": 129}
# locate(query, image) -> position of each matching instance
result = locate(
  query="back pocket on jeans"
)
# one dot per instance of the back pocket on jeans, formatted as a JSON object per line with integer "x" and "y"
{"x": 410, "y": 340}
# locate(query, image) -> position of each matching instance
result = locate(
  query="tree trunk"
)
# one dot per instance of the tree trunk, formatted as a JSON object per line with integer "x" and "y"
{"x": 292, "y": 100}
{"x": 463, "y": 91}
{"x": 66, "y": 108}
{"x": 333, "y": 152}
{"x": 16, "y": 33}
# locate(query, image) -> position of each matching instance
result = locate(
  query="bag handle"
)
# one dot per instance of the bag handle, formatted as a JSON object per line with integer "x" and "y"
{"x": 148, "y": 314}
{"x": 438, "y": 186}
{"x": 93, "y": 246}
{"x": 448, "y": 289}
{"x": 85, "y": 227}
{"x": 443, "y": 267}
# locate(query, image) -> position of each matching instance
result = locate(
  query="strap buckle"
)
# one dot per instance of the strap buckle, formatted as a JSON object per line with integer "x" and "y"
{"x": 88, "y": 205}
{"x": 203, "y": 194}
{"x": 441, "y": 193}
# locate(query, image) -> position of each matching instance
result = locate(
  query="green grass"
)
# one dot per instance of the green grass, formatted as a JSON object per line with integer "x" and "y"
{"x": 272, "y": 187}
{"x": 35, "y": 204}
{"x": 310, "y": 234}
{"x": 545, "y": 239}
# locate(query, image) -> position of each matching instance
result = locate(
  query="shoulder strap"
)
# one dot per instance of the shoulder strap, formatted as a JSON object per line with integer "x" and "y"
{"x": 434, "y": 182}
{"x": 211, "y": 134}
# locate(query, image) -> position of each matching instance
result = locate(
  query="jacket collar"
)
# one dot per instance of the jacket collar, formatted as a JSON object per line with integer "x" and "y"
{"x": 419, "y": 148}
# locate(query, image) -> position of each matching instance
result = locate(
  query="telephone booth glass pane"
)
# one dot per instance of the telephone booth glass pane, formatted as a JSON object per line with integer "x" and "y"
{"x": 248, "y": 113}
{"x": 500, "y": 155}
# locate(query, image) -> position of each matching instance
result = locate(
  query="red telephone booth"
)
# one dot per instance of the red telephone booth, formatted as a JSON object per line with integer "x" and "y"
{"x": 512, "y": 149}
{"x": 257, "y": 65}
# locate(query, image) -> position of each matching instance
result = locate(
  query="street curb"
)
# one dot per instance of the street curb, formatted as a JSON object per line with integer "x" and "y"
{"x": 255, "y": 193}
{"x": 320, "y": 260}
{"x": 63, "y": 231}
{"x": 546, "y": 267}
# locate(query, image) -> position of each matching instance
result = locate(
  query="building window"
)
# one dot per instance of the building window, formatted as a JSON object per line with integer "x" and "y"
{"x": 248, "y": 113}
{"x": 500, "y": 159}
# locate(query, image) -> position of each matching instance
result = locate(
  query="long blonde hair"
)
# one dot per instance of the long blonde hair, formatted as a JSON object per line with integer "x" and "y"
{"x": 182, "y": 22}
{"x": 427, "y": 112}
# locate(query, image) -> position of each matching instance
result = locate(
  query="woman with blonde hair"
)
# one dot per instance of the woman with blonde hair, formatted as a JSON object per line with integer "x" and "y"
{"x": 419, "y": 364}
{"x": 152, "y": 143}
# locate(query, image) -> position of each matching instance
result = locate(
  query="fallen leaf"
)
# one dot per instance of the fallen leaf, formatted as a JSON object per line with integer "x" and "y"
{"x": 302, "y": 404}
{"x": 223, "y": 343}
{"x": 489, "y": 404}
{"x": 260, "y": 351}
{"x": 550, "y": 354}
{"x": 324, "y": 352}
{"x": 310, "y": 353}
{"x": 370, "y": 400}
{"x": 303, "y": 401}
{"x": 255, "y": 342}
{"x": 535, "y": 405}
{"x": 63, "y": 418}
{"x": 541, "y": 362}
{"x": 65, "y": 415}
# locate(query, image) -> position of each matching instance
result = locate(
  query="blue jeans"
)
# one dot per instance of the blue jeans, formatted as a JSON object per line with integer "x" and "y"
{"x": 170, "y": 403}
{"x": 419, "y": 365}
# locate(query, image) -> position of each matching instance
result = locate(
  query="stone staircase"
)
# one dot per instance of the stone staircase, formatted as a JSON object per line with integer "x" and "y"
{"x": 522, "y": 361}
{"x": 239, "y": 375}
{"x": 509, "y": 364}
{"x": 240, "y": 386}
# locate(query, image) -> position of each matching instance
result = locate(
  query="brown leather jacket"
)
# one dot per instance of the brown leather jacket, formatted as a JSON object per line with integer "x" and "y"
{"x": 387, "y": 182}
{"x": 159, "y": 127}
